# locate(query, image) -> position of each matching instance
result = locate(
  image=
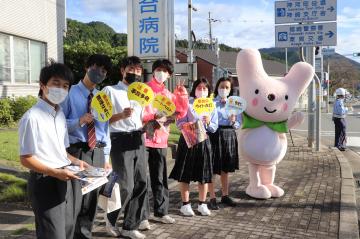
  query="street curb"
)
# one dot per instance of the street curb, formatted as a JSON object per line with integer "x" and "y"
{"x": 348, "y": 224}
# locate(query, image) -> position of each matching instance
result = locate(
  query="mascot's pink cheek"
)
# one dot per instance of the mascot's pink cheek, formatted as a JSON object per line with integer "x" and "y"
{"x": 254, "y": 102}
{"x": 285, "y": 107}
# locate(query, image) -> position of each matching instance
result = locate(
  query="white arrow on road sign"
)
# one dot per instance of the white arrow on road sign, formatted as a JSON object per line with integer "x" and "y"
{"x": 305, "y": 11}
{"x": 320, "y": 34}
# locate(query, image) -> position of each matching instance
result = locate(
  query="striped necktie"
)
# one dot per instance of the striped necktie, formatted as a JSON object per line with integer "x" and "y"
{"x": 91, "y": 125}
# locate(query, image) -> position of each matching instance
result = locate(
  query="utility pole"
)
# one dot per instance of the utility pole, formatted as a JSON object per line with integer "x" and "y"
{"x": 210, "y": 32}
{"x": 217, "y": 50}
{"x": 190, "y": 45}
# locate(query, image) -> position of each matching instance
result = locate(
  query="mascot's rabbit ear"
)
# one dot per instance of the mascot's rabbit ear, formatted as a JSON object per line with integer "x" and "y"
{"x": 299, "y": 76}
{"x": 249, "y": 65}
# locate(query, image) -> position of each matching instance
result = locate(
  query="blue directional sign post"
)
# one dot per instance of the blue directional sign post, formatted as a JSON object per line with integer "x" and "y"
{"x": 297, "y": 11}
{"x": 320, "y": 34}
{"x": 306, "y": 28}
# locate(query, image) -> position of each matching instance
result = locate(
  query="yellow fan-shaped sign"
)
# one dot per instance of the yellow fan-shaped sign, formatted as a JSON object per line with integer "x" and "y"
{"x": 101, "y": 107}
{"x": 164, "y": 105}
{"x": 141, "y": 93}
{"x": 204, "y": 106}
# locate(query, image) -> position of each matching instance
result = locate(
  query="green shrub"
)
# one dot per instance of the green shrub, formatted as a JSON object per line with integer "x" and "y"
{"x": 12, "y": 189}
{"x": 20, "y": 105}
{"x": 5, "y": 112}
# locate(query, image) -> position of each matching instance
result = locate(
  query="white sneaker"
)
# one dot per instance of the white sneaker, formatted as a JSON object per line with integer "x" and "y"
{"x": 144, "y": 225}
{"x": 203, "y": 209}
{"x": 133, "y": 234}
{"x": 165, "y": 219}
{"x": 187, "y": 211}
{"x": 111, "y": 230}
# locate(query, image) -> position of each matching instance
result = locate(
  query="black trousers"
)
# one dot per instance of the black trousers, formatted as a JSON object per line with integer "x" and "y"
{"x": 340, "y": 132}
{"x": 128, "y": 161}
{"x": 55, "y": 205}
{"x": 158, "y": 177}
{"x": 86, "y": 217}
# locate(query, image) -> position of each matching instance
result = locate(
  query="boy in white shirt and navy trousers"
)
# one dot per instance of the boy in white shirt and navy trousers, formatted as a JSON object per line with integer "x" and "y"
{"x": 43, "y": 139}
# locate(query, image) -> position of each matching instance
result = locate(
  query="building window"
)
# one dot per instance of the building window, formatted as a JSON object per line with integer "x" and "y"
{"x": 37, "y": 56}
{"x": 5, "y": 63}
{"x": 21, "y": 59}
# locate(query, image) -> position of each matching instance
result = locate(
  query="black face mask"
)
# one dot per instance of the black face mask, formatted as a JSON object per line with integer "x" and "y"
{"x": 131, "y": 77}
{"x": 96, "y": 76}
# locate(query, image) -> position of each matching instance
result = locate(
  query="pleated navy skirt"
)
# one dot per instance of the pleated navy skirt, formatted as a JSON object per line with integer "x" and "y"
{"x": 224, "y": 146}
{"x": 193, "y": 164}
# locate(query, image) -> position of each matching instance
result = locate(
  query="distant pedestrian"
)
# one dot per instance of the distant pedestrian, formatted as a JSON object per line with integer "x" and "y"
{"x": 339, "y": 114}
{"x": 195, "y": 163}
{"x": 224, "y": 144}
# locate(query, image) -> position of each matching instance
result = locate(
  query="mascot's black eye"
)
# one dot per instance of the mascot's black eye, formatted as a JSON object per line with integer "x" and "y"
{"x": 286, "y": 97}
{"x": 256, "y": 91}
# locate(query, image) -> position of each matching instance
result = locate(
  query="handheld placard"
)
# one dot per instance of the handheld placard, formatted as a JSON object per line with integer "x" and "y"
{"x": 235, "y": 105}
{"x": 204, "y": 106}
{"x": 101, "y": 107}
{"x": 141, "y": 93}
{"x": 164, "y": 105}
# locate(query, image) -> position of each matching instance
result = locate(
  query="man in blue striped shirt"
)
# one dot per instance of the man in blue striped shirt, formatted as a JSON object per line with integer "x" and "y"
{"x": 339, "y": 113}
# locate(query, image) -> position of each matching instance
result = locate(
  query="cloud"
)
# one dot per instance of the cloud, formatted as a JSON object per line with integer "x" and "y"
{"x": 241, "y": 26}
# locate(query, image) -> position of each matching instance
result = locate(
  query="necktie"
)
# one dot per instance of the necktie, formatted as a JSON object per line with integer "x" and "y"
{"x": 91, "y": 125}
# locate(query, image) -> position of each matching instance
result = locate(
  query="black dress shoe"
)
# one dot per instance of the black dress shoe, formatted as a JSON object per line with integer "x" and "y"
{"x": 212, "y": 205}
{"x": 228, "y": 201}
{"x": 341, "y": 148}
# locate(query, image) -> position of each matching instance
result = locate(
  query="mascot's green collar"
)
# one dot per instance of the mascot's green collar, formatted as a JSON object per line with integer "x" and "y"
{"x": 249, "y": 122}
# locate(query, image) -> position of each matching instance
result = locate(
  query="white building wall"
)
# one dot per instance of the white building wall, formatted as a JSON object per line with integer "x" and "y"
{"x": 41, "y": 20}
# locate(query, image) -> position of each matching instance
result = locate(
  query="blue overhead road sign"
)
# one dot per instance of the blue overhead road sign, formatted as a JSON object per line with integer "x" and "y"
{"x": 320, "y": 34}
{"x": 292, "y": 11}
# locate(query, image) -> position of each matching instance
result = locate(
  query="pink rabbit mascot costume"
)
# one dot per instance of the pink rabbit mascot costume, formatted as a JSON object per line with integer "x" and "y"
{"x": 268, "y": 116}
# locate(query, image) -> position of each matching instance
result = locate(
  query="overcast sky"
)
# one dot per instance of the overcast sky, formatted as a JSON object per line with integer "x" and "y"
{"x": 243, "y": 23}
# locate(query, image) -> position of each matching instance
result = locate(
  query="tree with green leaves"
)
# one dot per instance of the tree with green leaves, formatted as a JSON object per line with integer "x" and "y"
{"x": 76, "y": 54}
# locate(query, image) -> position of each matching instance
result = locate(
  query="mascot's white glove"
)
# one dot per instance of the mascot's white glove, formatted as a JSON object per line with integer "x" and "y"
{"x": 295, "y": 120}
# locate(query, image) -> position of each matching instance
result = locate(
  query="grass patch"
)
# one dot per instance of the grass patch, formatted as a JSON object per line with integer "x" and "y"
{"x": 12, "y": 189}
{"x": 23, "y": 230}
{"x": 9, "y": 142}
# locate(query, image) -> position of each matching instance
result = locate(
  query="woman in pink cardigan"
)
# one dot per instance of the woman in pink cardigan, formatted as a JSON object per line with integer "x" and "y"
{"x": 157, "y": 142}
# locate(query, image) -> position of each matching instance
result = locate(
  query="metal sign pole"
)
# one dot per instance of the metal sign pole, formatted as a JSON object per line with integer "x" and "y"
{"x": 310, "y": 58}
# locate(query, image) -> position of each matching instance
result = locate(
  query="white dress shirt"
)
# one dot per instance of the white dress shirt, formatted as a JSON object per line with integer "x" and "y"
{"x": 43, "y": 134}
{"x": 120, "y": 101}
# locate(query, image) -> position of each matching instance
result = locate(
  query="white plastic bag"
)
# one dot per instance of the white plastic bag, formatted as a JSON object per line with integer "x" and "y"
{"x": 113, "y": 203}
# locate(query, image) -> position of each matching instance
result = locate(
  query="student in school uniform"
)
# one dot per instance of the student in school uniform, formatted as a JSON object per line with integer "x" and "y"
{"x": 195, "y": 163}
{"x": 43, "y": 139}
{"x": 128, "y": 152}
{"x": 89, "y": 138}
{"x": 224, "y": 144}
{"x": 156, "y": 146}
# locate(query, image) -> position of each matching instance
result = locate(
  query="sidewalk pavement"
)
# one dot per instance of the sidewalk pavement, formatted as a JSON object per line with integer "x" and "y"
{"x": 319, "y": 202}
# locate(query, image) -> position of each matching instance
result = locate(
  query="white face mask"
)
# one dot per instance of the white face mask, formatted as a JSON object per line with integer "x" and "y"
{"x": 201, "y": 93}
{"x": 223, "y": 93}
{"x": 56, "y": 95}
{"x": 161, "y": 76}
